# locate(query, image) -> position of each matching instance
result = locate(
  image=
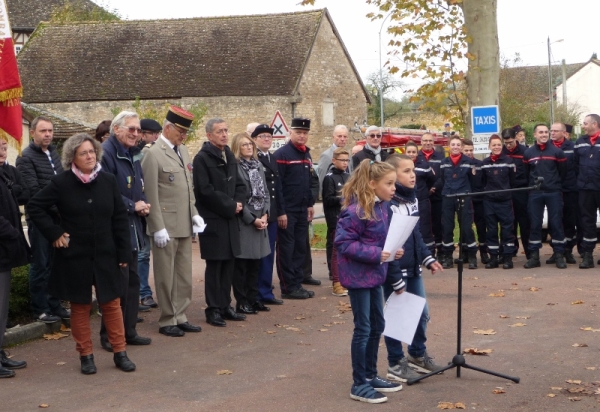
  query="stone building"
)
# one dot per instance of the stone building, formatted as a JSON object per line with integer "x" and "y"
{"x": 242, "y": 68}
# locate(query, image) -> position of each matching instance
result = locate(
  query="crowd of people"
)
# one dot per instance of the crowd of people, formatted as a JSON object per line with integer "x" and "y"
{"x": 96, "y": 212}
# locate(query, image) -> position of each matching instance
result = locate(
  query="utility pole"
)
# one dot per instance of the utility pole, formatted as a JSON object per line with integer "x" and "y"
{"x": 564, "y": 82}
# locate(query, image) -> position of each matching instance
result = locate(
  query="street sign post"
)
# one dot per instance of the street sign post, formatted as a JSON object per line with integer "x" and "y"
{"x": 485, "y": 121}
{"x": 280, "y": 132}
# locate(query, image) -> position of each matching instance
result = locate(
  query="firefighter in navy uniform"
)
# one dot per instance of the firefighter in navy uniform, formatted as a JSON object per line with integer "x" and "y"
{"x": 294, "y": 164}
{"x": 520, "y": 199}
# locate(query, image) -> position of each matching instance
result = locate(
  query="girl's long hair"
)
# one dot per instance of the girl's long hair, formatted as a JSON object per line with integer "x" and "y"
{"x": 358, "y": 190}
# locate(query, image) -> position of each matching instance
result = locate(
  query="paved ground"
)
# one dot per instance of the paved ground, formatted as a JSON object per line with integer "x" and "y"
{"x": 308, "y": 367}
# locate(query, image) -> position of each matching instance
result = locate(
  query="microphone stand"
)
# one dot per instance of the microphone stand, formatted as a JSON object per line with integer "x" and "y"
{"x": 458, "y": 360}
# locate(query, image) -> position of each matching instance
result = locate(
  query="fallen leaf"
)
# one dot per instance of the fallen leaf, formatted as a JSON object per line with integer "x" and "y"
{"x": 475, "y": 277}
{"x": 460, "y": 405}
{"x": 323, "y": 330}
{"x": 523, "y": 317}
{"x": 516, "y": 325}
{"x": 574, "y": 381}
{"x": 344, "y": 306}
{"x": 551, "y": 395}
{"x": 591, "y": 368}
{"x": 475, "y": 351}
{"x": 61, "y": 363}
{"x": 55, "y": 336}
{"x": 577, "y": 302}
{"x": 514, "y": 284}
{"x": 580, "y": 345}
{"x": 574, "y": 399}
{"x": 338, "y": 323}
{"x": 63, "y": 328}
{"x": 504, "y": 316}
{"x": 450, "y": 405}
{"x": 323, "y": 298}
{"x": 327, "y": 324}
{"x": 485, "y": 332}
{"x": 241, "y": 326}
{"x": 551, "y": 304}
{"x": 556, "y": 388}
{"x": 497, "y": 295}
{"x": 498, "y": 391}
{"x": 534, "y": 289}
{"x": 224, "y": 372}
{"x": 575, "y": 390}
{"x": 299, "y": 317}
{"x": 293, "y": 329}
{"x": 528, "y": 277}
{"x": 44, "y": 405}
{"x": 270, "y": 332}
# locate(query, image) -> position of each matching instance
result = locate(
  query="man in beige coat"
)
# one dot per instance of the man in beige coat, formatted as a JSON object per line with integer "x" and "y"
{"x": 169, "y": 189}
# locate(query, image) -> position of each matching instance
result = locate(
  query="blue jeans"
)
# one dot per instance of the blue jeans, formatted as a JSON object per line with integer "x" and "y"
{"x": 416, "y": 286}
{"x": 39, "y": 273}
{"x": 367, "y": 308}
{"x": 144, "y": 268}
{"x": 554, "y": 202}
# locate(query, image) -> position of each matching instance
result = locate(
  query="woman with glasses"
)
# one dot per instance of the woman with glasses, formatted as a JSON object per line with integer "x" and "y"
{"x": 372, "y": 149}
{"x": 91, "y": 244}
{"x": 253, "y": 222}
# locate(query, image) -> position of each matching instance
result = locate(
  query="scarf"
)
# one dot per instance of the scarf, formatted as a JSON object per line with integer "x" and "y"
{"x": 542, "y": 146}
{"x": 593, "y": 138}
{"x": 455, "y": 158}
{"x": 494, "y": 158}
{"x": 257, "y": 196}
{"x": 84, "y": 177}
{"x": 427, "y": 154}
{"x": 302, "y": 148}
{"x": 376, "y": 152}
{"x": 404, "y": 194}
{"x": 558, "y": 143}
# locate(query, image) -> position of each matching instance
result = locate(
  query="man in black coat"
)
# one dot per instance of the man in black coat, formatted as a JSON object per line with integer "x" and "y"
{"x": 38, "y": 163}
{"x": 219, "y": 198}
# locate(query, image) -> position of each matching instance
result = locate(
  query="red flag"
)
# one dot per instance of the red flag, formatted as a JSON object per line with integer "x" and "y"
{"x": 11, "y": 91}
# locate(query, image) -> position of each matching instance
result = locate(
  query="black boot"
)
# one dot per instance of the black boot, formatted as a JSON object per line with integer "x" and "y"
{"x": 6, "y": 373}
{"x": 569, "y": 258}
{"x": 472, "y": 260}
{"x": 87, "y": 364}
{"x": 483, "y": 254}
{"x": 560, "y": 260}
{"x": 508, "y": 263}
{"x": 492, "y": 262}
{"x": 551, "y": 260}
{"x": 123, "y": 362}
{"x": 446, "y": 261}
{"x": 9, "y": 363}
{"x": 588, "y": 261}
{"x": 534, "y": 260}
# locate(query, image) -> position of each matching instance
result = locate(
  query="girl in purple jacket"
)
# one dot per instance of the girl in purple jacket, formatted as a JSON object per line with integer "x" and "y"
{"x": 359, "y": 239}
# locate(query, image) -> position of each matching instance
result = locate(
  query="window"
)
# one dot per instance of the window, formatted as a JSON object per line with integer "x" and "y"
{"x": 328, "y": 112}
{"x": 18, "y": 49}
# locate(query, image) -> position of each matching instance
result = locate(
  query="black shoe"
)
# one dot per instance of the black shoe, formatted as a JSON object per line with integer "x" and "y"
{"x": 492, "y": 262}
{"x": 139, "y": 340}
{"x": 273, "y": 301}
{"x": 123, "y": 362}
{"x": 143, "y": 308}
{"x": 6, "y": 373}
{"x": 446, "y": 260}
{"x": 587, "y": 261}
{"x": 560, "y": 260}
{"x": 172, "y": 331}
{"x": 106, "y": 345}
{"x": 569, "y": 258}
{"x": 310, "y": 293}
{"x": 87, "y": 365}
{"x": 508, "y": 263}
{"x": 330, "y": 276}
{"x": 62, "y": 313}
{"x": 148, "y": 301}
{"x": 139, "y": 320}
{"x": 9, "y": 363}
{"x": 534, "y": 260}
{"x": 214, "y": 318}
{"x": 246, "y": 309}
{"x": 188, "y": 327}
{"x": 311, "y": 281}
{"x": 472, "y": 260}
{"x": 260, "y": 307}
{"x": 297, "y": 294}
{"x": 485, "y": 257}
{"x": 229, "y": 314}
{"x": 551, "y": 260}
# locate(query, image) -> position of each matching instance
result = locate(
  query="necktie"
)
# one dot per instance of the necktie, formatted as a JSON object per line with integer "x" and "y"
{"x": 176, "y": 150}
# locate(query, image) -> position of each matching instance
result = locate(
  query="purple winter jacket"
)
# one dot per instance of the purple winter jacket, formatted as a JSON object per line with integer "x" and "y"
{"x": 359, "y": 244}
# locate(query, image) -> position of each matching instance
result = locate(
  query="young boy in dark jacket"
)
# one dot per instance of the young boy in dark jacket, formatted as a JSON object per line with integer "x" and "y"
{"x": 333, "y": 182}
{"x": 405, "y": 274}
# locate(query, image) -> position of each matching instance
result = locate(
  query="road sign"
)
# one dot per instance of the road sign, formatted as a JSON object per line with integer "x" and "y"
{"x": 481, "y": 143}
{"x": 280, "y": 132}
{"x": 485, "y": 120}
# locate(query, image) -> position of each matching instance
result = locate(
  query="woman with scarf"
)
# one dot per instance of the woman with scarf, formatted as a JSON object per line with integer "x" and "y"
{"x": 253, "y": 222}
{"x": 91, "y": 244}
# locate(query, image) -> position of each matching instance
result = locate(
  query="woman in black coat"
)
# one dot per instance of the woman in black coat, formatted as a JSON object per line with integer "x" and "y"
{"x": 14, "y": 252}
{"x": 92, "y": 243}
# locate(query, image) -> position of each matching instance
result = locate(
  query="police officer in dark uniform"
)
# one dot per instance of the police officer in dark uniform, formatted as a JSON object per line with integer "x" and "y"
{"x": 294, "y": 163}
{"x": 263, "y": 136}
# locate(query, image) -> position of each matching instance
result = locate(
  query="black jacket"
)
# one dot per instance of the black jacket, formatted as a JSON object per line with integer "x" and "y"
{"x": 14, "y": 250}
{"x": 570, "y": 182}
{"x": 425, "y": 178}
{"x": 435, "y": 162}
{"x": 367, "y": 154}
{"x": 218, "y": 190}
{"x": 521, "y": 177}
{"x": 333, "y": 182}
{"x": 477, "y": 180}
{"x": 19, "y": 188}
{"x": 273, "y": 184}
{"x": 296, "y": 179}
{"x": 498, "y": 175}
{"x": 587, "y": 163}
{"x": 549, "y": 163}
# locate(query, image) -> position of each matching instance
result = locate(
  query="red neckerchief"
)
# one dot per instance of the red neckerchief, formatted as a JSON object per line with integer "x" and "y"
{"x": 494, "y": 158}
{"x": 427, "y": 154}
{"x": 513, "y": 150}
{"x": 558, "y": 143}
{"x": 455, "y": 158}
{"x": 302, "y": 148}
{"x": 593, "y": 138}
{"x": 542, "y": 146}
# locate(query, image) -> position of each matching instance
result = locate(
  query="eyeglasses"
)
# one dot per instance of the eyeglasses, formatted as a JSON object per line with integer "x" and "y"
{"x": 264, "y": 136}
{"x": 132, "y": 129}
{"x": 85, "y": 154}
{"x": 246, "y": 145}
{"x": 150, "y": 132}
{"x": 342, "y": 160}
{"x": 375, "y": 136}
{"x": 182, "y": 132}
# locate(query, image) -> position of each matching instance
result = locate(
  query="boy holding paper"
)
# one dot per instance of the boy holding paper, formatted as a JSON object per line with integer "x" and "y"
{"x": 405, "y": 274}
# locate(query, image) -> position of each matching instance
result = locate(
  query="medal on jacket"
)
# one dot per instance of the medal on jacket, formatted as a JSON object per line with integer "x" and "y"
{"x": 128, "y": 182}
{"x": 190, "y": 167}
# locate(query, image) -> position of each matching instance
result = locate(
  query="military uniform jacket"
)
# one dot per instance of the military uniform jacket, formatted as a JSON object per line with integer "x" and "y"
{"x": 273, "y": 185}
{"x": 521, "y": 177}
{"x": 587, "y": 163}
{"x": 296, "y": 178}
{"x": 169, "y": 189}
{"x": 435, "y": 162}
{"x": 498, "y": 176}
{"x": 459, "y": 178}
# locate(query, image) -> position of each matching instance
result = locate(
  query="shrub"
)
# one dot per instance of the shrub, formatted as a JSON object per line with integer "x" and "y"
{"x": 20, "y": 301}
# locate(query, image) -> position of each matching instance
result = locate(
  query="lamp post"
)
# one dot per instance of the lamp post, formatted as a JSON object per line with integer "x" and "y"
{"x": 550, "y": 80}
{"x": 381, "y": 72}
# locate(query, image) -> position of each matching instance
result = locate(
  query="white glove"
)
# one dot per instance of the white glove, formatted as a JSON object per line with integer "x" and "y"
{"x": 198, "y": 224}
{"x": 161, "y": 238}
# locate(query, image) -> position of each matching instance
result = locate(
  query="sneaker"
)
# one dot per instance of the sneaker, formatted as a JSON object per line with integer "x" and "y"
{"x": 366, "y": 393}
{"x": 310, "y": 293}
{"x": 424, "y": 364}
{"x": 143, "y": 308}
{"x": 148, "y": 301}
{"x": 47, "y": 318}
{"x": 62, "y": 313}
{"x": 401, "y": 372}
{"x": 383, "y": 385}
{"x": 339, "y": 290}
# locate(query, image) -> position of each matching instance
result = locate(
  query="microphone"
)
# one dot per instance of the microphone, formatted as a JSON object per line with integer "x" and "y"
{"x": 538, "y": 182}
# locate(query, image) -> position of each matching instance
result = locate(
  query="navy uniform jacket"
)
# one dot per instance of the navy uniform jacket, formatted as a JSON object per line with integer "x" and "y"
{"x": 295, "y": 174}
{"x": 477, "y": 180}
{"x": 498, "y": 175}
{"x": 457, "y": 179}
{"x": 570, "y": 182}
{"x": 333, "y": 182}
{"x": 549, "y": 163}
{"x": 425, "y": 178}
{"x": 587, "y": 163}
{"x": 273, "y": 184}
{"x": 435, "y": 162}
{"x": 521, "y": 177}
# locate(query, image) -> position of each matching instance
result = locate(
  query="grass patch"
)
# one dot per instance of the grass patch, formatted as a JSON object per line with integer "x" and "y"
{"x": 319, "y": 239}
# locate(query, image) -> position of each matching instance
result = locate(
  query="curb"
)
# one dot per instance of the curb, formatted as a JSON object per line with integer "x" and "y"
{"x": 35, "y": 330}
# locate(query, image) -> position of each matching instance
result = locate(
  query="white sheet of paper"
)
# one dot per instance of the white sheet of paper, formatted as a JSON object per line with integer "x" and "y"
{"x": 401, "y": 228}
{"x": 402, "y": 314}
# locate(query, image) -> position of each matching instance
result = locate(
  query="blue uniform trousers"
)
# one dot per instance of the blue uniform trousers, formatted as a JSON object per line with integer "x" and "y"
{"x": 554, "y": 203}
{"x": 291, "y": 251}
{"x": 499, "y": 213}
{"x": 449, "y": 210}
{"x": 589, "y": 202}
{"x": 425, "y": 224}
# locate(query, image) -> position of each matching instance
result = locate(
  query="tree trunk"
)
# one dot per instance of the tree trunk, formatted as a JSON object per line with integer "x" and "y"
{"x": 483, "y": 76}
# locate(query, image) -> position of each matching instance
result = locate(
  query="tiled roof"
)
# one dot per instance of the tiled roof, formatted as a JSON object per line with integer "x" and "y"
{"x": 63, "y": 127}
{"x": 257, "y": 55}
{"x": 27, "y": 14}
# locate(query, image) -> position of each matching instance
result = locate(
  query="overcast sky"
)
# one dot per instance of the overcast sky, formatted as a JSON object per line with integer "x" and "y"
{"x": 523, "y": 25}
